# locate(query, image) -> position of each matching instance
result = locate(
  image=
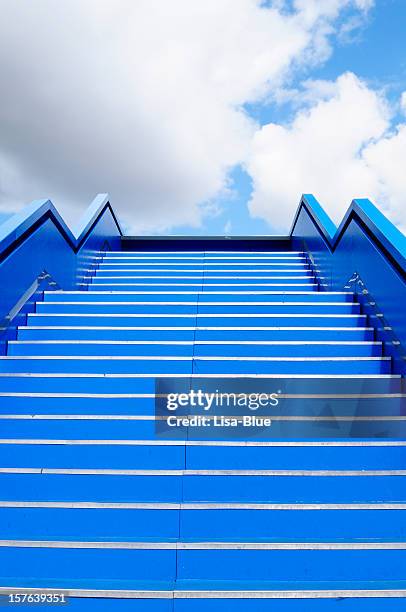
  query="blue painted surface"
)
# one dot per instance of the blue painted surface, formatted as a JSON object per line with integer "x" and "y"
{"x": 367, "y": 244}
{"x": 37, "y": 240}
{"x": 148, "y": 322}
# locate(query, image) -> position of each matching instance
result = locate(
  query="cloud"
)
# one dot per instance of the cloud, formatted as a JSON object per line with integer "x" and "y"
{"x": 341, "y": 147}
{"x": 403, "y": 102}
{"x": 142, "y": 99}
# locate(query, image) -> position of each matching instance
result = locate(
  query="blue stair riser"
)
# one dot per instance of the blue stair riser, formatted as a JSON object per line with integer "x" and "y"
{"x": 236, "y": 272}
{"x": 254, "y": 253}
{"x": 94, "y": 456}
{"x": 213, "y": 258}
{"x": 150, "y": 456}
{"x": 249, "y": 263}
{"x": 199, "y": 254}
{"x": 199, "y": 264}
{"x": 147, "y": 429}
{"x": 192, "y": 308}
{"x": 296, "y": 457}
{"x": 373, "y": 365}
{"x": 288, "y": 565}
{"x": 207, "y": 488}
{"x": 85, "y": 524}
{"x": 274, "y": 320}
{"x": 188, "y": 268}
{"x": 203, "y": 524}
{"x": 183, "y": 365}
{"x": 237, "y": 350}
{"x": 76, "y": 383}
{"x": 360, "y": 407}
{"x": 62, "y": 563}
{"x": 193, "y": 257}
{"x": 186, "y": 278}
{"x": 227, "y": 279}
{"x": 215, "y": 285}
{"x": 200, "y": 296}
{"x": 345, "y": 333}
{"x": 204, "y": 564}
{"x": 198, "y": 270}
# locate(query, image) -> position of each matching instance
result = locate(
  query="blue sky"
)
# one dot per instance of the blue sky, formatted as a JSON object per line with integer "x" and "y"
{"x": 203, "y": 117}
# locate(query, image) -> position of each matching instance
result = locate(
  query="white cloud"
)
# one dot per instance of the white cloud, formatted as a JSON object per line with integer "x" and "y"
{"x": 403, "y": 102}
{"x": 340, "y": 148}
{"x": 140, "y": 99}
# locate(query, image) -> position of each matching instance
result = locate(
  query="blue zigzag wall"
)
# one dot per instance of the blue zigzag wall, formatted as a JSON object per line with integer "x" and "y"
{"x": 366, "y": 253}
{"x": 38, "y": 251}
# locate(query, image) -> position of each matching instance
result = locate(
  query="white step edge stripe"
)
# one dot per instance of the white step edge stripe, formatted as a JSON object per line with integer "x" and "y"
{"x": 228, "y": 266}
{"x": 78, "y": 505}
{"x": 202, "y": 255}
{"x": 214, "y": 473}
{"x": 148, "y": 375}
{"x": 191, "y": 328}
{"x": 168, "y": 260}
{"x": 204, "y": 284}
{"x": 8, "y": 358}
{"x": 204, "y": 258}
{"x": 305, "y": 275}
{"x": 199, "y": 303}
{"x": 298, "y": 396}
{"x": 198, "y": 256}
{"x": 247, "y": 315}
{"x": 212, "y": 594}
{"x": 201, "y": 271}
{"x": 201, "y": 274}
{"x": 286, "y": 293}
{"x": 95, "y": 281}
{"x": 199, "y": 342}
{"x": 200, "y": 263}
{"x": 205, "y": 545}
{"x": 147, "y": 417}
{"x": 216, "y": 443}
{"x": 136, "y": 252}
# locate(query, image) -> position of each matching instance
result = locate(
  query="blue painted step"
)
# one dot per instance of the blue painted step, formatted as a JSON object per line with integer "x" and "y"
{"x": 158, "y": 364}
{"x": 214, "y": 285}
{"x": 176, "y": 454}
{"x": 216, "y": 522}
{"x": 163, "y": 562}
{"x": 258, "y": 288}
{"x": 362, "y": 406}
{"x": 226, "y": 488}
{"x": 201, "y": 319}
{"x": 188, "y": 348}
{"x": 132, "y": 383}
{"x": 201, "y": 296}
{"x": 193, "y": 307}
{"x": 231, "y": 332}
{"x": 145, "y": 427}
{"x": 224, "y": 277}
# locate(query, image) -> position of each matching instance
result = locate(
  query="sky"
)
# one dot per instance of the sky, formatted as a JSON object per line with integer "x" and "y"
{"x": 203, "y": 117}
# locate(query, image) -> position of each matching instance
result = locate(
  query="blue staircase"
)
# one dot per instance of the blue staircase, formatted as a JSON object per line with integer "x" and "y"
{"x": 308, "y": 514}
